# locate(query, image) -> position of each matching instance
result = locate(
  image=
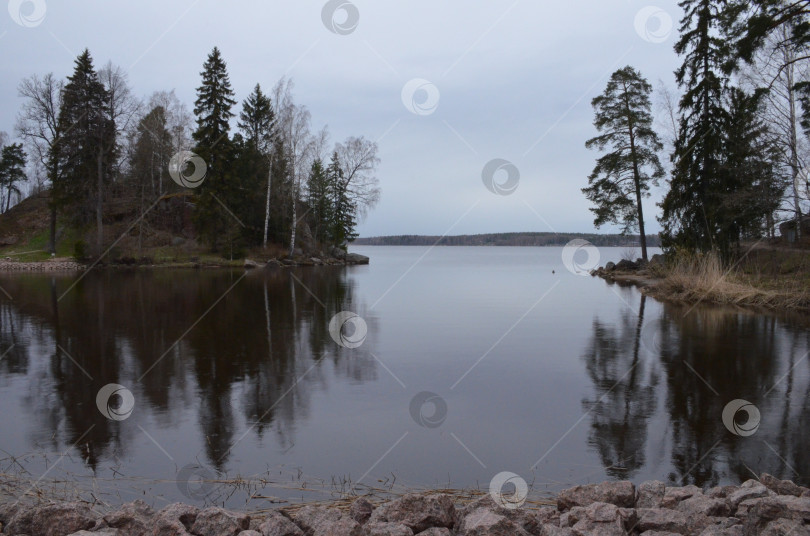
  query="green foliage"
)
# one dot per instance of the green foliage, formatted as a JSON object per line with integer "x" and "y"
{"x": 213, "y": 216}
{"x": 622, "y": 177}
{"x": 152, "y": 152}
{"x": 319, "y": 199}
{"x": 86, "y": 145}
{"x": 12, "y": 171}
{"x": 344, "y": 210}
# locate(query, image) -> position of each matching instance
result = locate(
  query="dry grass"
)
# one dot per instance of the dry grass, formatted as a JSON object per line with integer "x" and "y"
{"x": 704, "y": 278}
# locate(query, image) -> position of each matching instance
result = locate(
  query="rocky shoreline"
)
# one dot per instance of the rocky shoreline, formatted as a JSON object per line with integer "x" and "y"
{"x": 767, "y": 506}
{"x": 70, "y": 265}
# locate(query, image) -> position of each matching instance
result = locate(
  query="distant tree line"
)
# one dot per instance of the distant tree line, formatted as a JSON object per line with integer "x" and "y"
{"x": 739, "y": 135}
{"x": 95, "y": 145}
{"x": 507, "y": 239}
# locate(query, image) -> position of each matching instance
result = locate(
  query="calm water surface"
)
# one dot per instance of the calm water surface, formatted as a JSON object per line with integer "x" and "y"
{"x": 475, "y": 361}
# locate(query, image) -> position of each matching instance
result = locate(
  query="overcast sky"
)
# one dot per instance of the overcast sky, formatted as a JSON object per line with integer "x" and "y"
{"x": 444, "y": 87}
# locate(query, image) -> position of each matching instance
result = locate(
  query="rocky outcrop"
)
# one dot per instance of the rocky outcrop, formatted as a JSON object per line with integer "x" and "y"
{"x": 767, "y": 506}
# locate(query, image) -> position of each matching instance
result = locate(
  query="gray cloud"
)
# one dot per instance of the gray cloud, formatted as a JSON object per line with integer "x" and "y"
{"x": 515, "y": 81}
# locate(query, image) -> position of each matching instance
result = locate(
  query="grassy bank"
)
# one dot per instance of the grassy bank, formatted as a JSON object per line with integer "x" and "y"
{"x": 764, "y": 276}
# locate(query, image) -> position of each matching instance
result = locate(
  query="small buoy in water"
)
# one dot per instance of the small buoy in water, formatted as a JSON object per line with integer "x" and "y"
{"x": 553, "y": 271}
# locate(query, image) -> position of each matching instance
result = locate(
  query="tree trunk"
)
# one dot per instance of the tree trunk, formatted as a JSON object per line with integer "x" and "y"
{"x": 52, "y": 234}
{"x": 794, "y": 155}
{"x": 637, "y": 183}
{"x": 99, "y": 188}
{"x": 267, "y": 204}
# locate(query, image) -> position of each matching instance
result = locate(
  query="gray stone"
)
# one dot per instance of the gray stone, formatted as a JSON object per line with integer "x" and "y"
{"x": 387, "y": 529}
{"x": 700, "y": 504}
{"x": 250, "y": 533}
{"x": 782, "y": 527}
{"x": 621, "y": 493}
{"x": 361, "y": 510}
{"x": 52, "y": 520}
{"x": 134, "y": 518}
{"x": 528, "y": 520}
{"x": 103, "y": 532}
{"x": 650, "y": 494}
{"x": 673, "y": 495}
{"x": 436, "y": 531}
{"x": 218, "y": 522}
{"x": 602, "y": 519}
{"x": 175, "y": 519}
{"x": 249, "y": 264}
{"x": 276, "y": 524}
{"x": 320, "y": 521}
{"x": 610, "y": 266}
{"x": 356, "y": 258}
{"x": 666, "y": 520}
{"x": 750, "y": 489}
{"x": 418, "y": 512}
{"x": 781, "y": 487}
{"x": 484, "y": 522}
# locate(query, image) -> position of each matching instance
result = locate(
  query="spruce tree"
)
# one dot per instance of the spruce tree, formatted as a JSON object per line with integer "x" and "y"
{"x": 690, "y": 215}
{"x": 344, "y": 210}
{"x": 213, "y": 111}
{"x": 84, "y": 149}
{"x": 257, "y": 120}
{"x": 12, "y": 171}
{"x": 622, "y": 177}
{"x": 319, "y": 201}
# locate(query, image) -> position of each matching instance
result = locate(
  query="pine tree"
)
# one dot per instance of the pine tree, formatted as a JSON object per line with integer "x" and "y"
{"x": 12, "y": 171}
{"x": 691, "y": 206}
{"x": 620, "y": 179}
{"x": 213, "y": 111}
{"x": 85, "y": 152}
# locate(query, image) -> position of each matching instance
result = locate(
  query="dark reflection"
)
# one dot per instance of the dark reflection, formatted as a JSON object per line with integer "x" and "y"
{"x": 710, "y": 357}
{"x": 624, "y": 393}
{"x": 243, "y": 351}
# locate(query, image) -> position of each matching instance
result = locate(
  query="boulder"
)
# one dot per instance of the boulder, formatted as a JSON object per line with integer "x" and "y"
{"x": 609, "y": 267}
{"x": 418, "y": 512}
{"x": 276, "y": 524}
{"x": 218, "y": 522}
{"x": 621, "y": 493}
{"x": 673, "y": 495}
{"x": 52, "y": 520}
{"x": 436, "y": 531}
{"x": 750, "y": 489}
{"x": 484, "y": 522}
{"x": 175, "y": 519}
{"x": 666, "y": 520}
{"x": 700, "y": 504}
{"x": 386, "y": 529}
{"x": 626, "y": 265}
{"x": 781, "y": 487}
{"x": 650, "y": 494}
{"x": 249, "y": 264}
{"x": 601, "y": 518}
{"x": 356, "y": 258}
{"x": 530, "y": 521}
{"x": 134, "y": 518}
{"x": 361, "y": 510}
{"x": 320, "y": 521}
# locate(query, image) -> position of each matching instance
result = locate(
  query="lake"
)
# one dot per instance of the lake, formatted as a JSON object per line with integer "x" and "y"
{"x": 449, "y": 366}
